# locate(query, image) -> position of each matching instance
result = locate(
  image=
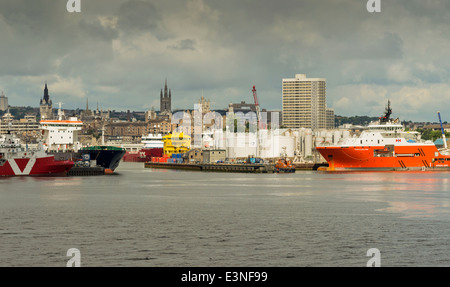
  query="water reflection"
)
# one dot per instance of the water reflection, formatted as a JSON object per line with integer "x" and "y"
{"x": 415, "y": 209}
{"x": 412, "y": 194}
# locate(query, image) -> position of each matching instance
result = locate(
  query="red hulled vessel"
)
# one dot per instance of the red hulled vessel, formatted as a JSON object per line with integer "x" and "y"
{"x": 15, "y": 160}
{"x": 385, "y": 145}
{"x": 153, "y": 146}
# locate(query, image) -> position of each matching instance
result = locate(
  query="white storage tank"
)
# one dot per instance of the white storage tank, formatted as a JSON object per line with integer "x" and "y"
{"x": 336, "y": 137}
{"x": 283, "y": 142}
{"x": 319, "y": 141}
{"x": 308, "y": 142}
{"x": 329, "y": 138}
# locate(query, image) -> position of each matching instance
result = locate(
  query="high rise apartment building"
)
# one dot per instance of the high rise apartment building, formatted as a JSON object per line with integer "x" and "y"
{"x": 330, "y": 118}
{"x": 304, "y": 102}
{"x": 3, "y": 102}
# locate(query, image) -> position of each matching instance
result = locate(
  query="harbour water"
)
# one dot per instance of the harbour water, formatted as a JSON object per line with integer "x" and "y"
{"x": 146, "y": 217}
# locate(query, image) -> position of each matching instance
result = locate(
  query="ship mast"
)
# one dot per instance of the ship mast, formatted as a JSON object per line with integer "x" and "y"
{"x": 387, "y": 113}
{"x": 60, "y": 112}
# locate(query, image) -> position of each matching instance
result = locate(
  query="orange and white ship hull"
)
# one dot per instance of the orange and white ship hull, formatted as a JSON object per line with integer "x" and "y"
{"x": 401, "y": 157}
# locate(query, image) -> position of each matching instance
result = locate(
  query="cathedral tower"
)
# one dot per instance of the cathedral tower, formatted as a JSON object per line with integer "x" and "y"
{"x": 46, "y": 108}
{"x": 166, "y": 100}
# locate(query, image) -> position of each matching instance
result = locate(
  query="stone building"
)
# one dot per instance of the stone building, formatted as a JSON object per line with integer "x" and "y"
{"x": 165, "y": 101}
{"x": 158, "y": 126}
{"x": 132, "y": 129}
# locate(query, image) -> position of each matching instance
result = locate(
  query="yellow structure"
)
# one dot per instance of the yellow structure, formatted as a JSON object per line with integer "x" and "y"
{"x": 176, "y": 143}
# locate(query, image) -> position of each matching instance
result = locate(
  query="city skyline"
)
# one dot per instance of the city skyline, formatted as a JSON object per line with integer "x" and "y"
{"x": 120, "y": 52}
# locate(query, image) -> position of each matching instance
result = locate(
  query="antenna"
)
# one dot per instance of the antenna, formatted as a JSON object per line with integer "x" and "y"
{"x": 60, "y": 112}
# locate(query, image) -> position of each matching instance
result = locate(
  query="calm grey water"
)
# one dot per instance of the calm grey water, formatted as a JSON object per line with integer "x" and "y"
{"x": 145, "y": 217}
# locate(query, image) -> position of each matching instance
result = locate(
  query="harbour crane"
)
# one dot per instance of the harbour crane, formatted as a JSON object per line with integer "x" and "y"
{"x": 442, "y": 130}
{"x": 258, "y": 111}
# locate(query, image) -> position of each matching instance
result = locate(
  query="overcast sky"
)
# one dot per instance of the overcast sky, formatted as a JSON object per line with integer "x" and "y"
{"x": 119, "y": 53}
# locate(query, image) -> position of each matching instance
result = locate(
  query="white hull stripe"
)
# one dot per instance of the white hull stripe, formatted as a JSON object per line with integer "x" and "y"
{"x": 26, "y": 170}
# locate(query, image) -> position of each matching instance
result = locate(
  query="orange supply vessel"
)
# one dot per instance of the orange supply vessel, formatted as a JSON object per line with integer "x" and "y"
{"x": 284, "y": 166}
{"x": 385, "y": 145}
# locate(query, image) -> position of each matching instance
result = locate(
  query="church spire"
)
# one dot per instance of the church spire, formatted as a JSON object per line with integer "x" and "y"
{"x": 46, "y": 99}
{"x": 165, "y": 99}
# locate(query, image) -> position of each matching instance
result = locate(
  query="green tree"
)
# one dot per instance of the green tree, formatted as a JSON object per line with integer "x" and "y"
{"x": 429, "y": 134}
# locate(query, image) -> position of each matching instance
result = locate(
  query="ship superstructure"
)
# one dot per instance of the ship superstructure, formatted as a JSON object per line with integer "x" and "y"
{"x": 176, "y": 143}
{"x": 61, "y": 134}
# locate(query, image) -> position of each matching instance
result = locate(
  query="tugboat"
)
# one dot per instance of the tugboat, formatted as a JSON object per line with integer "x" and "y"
{"x": 284, "y": 165}
{"x": 15, "y": 160}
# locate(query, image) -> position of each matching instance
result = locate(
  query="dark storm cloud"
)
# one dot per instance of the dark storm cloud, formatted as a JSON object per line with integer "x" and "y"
{"x": 221, "y": 48}
{"x": 388, "y": 46}
{"x": 140, "y": 15}
{"x": 95, "y": 31}
{"x": 137, "y": 16}
{"x": 36, "y": 34}
{"x": 186, "y": 44}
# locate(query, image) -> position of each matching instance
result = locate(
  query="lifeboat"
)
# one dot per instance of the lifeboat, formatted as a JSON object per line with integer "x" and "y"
{"x": 284, "y": 165}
